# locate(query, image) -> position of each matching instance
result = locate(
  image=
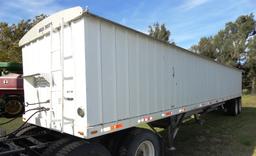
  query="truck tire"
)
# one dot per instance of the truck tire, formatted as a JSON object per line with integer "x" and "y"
{"x": 233, "y": 107}
{"x": 56, "y": 146}
{"x": 82, "y": 148}
{"x": 239, "y": 105}
{"x": 13, "y": 107}
{"x": 142, "y": 143}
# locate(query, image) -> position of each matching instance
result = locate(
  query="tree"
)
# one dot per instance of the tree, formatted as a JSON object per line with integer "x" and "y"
{"x": 231, "y": 46}
{"x": 37, "y": 19}
{"x": 10, "y": 36}
{"x": 205, "y": 47}
{"x": 159, "y": 32}
{"x": 250, "y": 65}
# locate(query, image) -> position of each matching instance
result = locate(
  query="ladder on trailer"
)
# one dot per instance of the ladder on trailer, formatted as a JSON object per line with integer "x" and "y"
{"x": 62, "y": 120}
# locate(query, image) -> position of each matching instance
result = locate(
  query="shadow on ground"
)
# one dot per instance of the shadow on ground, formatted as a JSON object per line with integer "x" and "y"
{"x": 220, "y": 135}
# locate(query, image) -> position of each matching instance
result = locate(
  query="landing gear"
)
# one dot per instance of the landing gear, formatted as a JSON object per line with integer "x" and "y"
{"x": 173, "y": 129}
{"x": 172, "y": 125}
{"x": 198, "y": 119}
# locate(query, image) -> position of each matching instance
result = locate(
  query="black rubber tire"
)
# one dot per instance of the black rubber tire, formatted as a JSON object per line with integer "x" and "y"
{"x": 232, "y": 107}
{"x": 239, "y": 105}
{"x": 132, "y": 142}
{"x": 56, "y": 146}
{"x": 18, "y": 112}
{"x": 82, "y": 148}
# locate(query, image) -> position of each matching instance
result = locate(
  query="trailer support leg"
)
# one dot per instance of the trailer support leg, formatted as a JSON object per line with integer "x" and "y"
{"x": 198, "y": 119}
{"x": 163, "y": 142}
{"x": 173, "y": 129}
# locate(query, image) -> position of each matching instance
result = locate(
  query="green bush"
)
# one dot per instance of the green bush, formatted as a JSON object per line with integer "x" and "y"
{"x": 245, "y": 91}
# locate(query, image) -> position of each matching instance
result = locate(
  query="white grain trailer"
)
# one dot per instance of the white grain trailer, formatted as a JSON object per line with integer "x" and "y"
{"x": 90, "y": 78}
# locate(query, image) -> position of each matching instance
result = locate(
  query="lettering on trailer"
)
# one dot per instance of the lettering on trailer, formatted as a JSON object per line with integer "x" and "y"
{"x": 45, "y": 27}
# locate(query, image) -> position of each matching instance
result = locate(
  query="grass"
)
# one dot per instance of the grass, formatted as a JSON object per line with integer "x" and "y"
{"x": 220, "y": 135}
{"x": 10, "y": 126}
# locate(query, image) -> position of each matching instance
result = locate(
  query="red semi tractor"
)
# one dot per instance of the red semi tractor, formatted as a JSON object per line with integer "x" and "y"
{"x": 11, "y": 89}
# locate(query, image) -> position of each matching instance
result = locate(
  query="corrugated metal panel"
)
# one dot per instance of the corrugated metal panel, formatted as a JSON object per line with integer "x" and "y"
{"x": 132, "y": 75}
{"x": 122, "y": 84}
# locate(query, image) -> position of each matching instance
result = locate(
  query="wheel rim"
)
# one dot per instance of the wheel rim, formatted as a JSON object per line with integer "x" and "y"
{"x": 146, "y": 148}
{"x": 13, "y": 107}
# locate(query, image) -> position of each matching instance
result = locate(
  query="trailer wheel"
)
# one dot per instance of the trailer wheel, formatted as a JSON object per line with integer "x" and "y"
{"x": 239, "y": 105}
{"x": 82, "y": 148}
{"x": 233, "y": 107}
{"x": 13, "y": 107}
{"x": 143, "y": 143}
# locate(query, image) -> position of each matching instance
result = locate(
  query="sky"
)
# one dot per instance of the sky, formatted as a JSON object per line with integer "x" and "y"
{"x": 188, "y": 20}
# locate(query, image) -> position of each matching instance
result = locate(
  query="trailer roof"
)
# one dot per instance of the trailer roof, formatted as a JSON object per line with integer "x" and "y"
{"x": 51, "y": 22}
{"x": 67, "y": 15}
